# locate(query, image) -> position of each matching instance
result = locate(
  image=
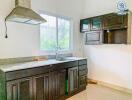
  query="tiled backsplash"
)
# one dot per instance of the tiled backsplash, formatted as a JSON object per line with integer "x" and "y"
{"x": 27, "y": 59}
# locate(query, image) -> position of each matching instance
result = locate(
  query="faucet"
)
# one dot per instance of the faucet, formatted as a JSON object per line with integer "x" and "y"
{"x": 57, "y": 55}
{"x": 56, "y": 52}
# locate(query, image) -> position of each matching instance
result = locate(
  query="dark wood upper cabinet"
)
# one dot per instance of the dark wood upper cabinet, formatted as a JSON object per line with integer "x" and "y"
{"x": 85, "y": 25}
{"x": 73, "y": 80}
{"x": 96, "y": 23}
{"x": 108, "y": 29}
{"x": 20, "y": 89}
{"x": 114, "y": 21}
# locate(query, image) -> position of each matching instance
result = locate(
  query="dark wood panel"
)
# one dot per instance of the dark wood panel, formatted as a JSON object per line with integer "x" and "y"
{"x": 70, "y": 64}
{"x": 57, "y": 84}
{"x": 20, "y": 89}
{"x": 41, "y": 87}
{"x": 26, "y": 73}
{"x": 62, "y": 84}
{"x": 114, "y": 21}
{"x": 54, "y": 85}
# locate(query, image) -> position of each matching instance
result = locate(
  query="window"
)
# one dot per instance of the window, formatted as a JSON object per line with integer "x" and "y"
{"x": 56, "y": 32}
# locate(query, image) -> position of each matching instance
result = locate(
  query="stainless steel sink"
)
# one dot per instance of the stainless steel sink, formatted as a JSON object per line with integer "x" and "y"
{"x": 63, "y": 59}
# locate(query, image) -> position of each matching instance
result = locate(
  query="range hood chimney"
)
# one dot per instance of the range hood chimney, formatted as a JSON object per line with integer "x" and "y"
{"x": 23, "y": 13}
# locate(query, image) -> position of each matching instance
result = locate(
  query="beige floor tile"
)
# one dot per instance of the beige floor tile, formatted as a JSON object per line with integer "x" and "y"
{"x": 96, "y": 92}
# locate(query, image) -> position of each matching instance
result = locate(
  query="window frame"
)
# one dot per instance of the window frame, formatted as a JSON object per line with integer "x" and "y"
{"x": 57, "y": 41}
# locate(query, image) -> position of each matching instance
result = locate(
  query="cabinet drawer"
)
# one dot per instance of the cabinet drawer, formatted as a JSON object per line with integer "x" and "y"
{"x": 83, "y": 67}
{"x": 83, "y": 72}
{"x": 26, "y": 73}
{"x": 82, "y": 81}
{"x": 71, "y": 64}
{"x": 83, "y": 62}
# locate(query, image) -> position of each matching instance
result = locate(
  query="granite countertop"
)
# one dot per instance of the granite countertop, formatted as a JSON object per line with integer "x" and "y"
{"x": 33, "y": 64}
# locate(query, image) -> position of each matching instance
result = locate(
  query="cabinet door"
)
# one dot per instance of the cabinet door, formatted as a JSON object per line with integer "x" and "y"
{"x": 20, "y": 89}
{"x": 96, "y": 23}
{"x": 57, "y": 84}
{"x": 73, "y": 80}
{"x": 85, "y": 25}
{"x": 113, "y": 21}
{"x": 62, "y": 85}
{"x": 94, "y": 38}
{"x": 41, "y": 87}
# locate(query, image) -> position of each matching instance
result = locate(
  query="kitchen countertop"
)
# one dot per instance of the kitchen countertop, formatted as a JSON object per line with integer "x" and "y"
{"x": 33, "y": 64}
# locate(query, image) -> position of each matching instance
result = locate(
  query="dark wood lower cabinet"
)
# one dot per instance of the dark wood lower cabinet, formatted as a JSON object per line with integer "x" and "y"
{"x": 20, "y": 89}
{"x": 54, "y": 84}
{"x": 57, "y": 84}
{"x": 41, "y": 87}
{"x": 73, "y": 80}
{"x": 49, "y": 86}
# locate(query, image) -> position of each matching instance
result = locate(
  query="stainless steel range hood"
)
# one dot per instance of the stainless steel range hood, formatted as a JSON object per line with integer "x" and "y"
{"x": 23, "y": 13}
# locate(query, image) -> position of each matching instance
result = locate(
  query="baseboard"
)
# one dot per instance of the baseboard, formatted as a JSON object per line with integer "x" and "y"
{"x": 119, "y": 88}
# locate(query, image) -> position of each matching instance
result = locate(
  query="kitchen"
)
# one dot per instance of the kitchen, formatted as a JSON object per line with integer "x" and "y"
{"x": 24, "y": 44}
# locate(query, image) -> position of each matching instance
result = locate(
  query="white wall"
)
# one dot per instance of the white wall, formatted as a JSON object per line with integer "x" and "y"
{"x": 108, "y": 63}
{"x": 24, "y": 39}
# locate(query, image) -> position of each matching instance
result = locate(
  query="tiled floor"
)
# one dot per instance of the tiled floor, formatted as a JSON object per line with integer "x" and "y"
{"x": 96, "y": 92}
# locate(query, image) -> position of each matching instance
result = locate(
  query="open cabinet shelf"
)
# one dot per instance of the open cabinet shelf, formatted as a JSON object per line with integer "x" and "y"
{"x": 115, "y": 36}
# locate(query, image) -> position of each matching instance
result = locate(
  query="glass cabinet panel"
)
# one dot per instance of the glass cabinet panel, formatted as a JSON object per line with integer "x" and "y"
{"x": 85, "y": 25}
{"x": 96, "y": 23}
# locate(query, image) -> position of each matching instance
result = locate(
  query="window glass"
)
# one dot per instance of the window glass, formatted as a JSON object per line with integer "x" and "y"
{"x": 63, "y": 34}
{"x": 55, "y": 33}
{"x": 48, "y": 33}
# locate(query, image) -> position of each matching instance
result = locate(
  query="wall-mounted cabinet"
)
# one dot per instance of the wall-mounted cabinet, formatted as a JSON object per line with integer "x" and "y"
{"x": 108, "y": 29}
